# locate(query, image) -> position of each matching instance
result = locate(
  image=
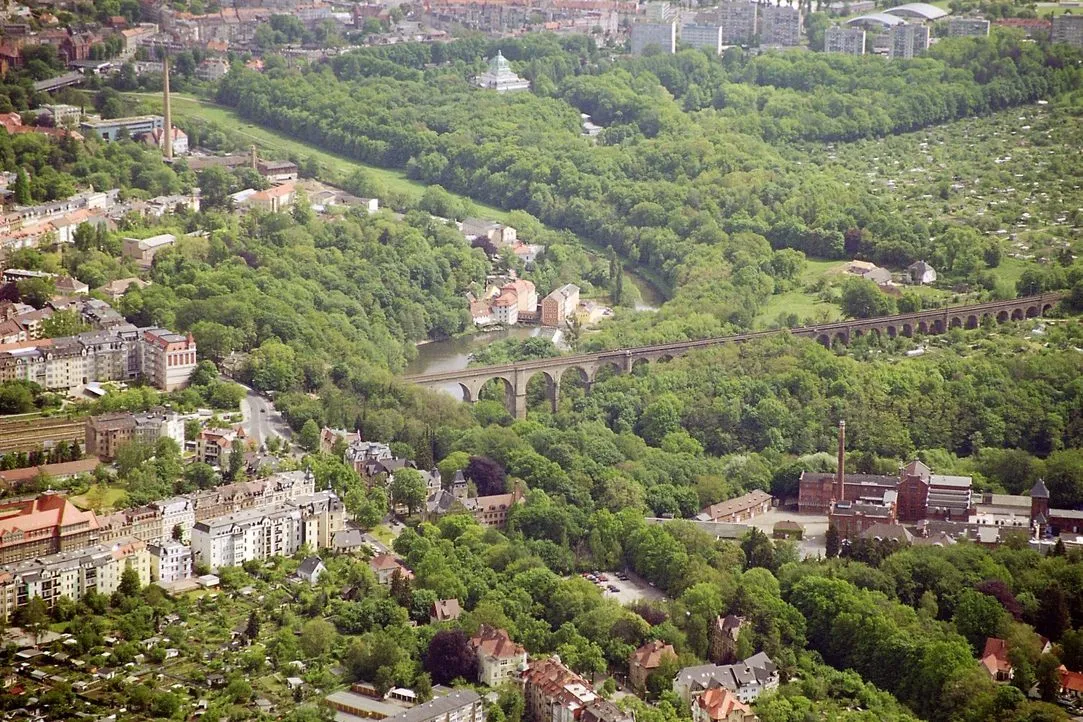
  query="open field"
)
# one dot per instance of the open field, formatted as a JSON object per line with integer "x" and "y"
{"x": 339, "y": 166}
{"x": 112, "y": 498}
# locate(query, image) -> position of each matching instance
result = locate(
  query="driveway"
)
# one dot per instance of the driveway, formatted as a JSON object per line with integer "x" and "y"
{"x": 629, "y": 590}
{"x": 814, "y": 542}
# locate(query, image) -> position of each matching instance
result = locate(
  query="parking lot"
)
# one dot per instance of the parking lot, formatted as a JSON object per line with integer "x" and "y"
{"x": 814, "y": 542}
{"x": 629, "y": 590}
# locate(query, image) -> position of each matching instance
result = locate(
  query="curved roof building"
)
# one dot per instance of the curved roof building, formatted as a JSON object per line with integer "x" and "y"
{"x": 918, "y": 11}
{"x": 876, "y": 21}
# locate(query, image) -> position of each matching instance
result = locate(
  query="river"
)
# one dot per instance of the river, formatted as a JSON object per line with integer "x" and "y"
{"x": 453, "y": 354}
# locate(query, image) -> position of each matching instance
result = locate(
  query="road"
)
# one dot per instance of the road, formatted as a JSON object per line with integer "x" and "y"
{"x": 261, "y": 420}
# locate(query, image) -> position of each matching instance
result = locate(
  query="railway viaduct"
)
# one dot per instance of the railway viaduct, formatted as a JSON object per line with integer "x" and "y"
{"x": 516, "y": 376}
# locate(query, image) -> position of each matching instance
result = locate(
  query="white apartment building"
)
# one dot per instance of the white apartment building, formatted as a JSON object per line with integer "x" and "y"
{"x": 908, "y": 41}
{"x": 232, "y": 540}
{"x": 779, "y": 25}
{"x": 323, "y": 515}
{"x": 168, "y": 358}
{"x": 71, "y": 574}
{"x": 170, "y": 561}
{"x": 702, "y": 35}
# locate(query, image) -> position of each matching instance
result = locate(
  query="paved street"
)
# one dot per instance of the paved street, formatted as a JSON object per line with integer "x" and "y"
{"x": 261, "y": 420}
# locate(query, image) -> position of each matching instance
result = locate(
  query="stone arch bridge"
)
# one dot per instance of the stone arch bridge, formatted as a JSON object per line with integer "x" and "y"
{"x": 516, "y": 376}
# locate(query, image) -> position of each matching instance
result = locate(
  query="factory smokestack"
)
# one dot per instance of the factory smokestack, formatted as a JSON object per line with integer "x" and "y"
{"x": 840, "y": 480}
{"x": 167, "y": 149}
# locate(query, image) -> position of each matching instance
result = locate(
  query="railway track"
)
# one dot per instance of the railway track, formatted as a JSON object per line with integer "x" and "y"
{"x": 27, "y": 433}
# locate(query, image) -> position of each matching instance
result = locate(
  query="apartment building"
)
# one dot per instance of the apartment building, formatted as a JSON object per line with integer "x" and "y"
{"x": 168, "y": 358}
{"x": 179, "y": 513}
{"x": 738, "y": 22}
{"x": 554, "y": 693}
{"x": 702, "y": 35}
{"x": 845, "y": 40}
{"x": 232, "y": 498}
{"x": 120, "y": 353}
{"x": 559, "y": 305}
{"x": 324, "y": 515}
{"x": 44, "y": 525}
{"x": 232, "y": 540}
{"x": 968, "y": 27}
{"x": 1067, "y": 29}
{"x": 143, "y": 250}
{"x": 500, "y": 660}
{"x": 107, "y": 433}
{"x": 746, "y": 679}
{"x": 779, "y": 25}
{"x": 662, "y": 35}
{"x": 71, "y": 574}
{"x": 908, "y": 41}
{"x": 214, "y": 446}
{"x": 170, "y": 562}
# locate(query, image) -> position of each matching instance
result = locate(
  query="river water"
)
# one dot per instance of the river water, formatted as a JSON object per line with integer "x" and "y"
{"x": 453, "y": 354}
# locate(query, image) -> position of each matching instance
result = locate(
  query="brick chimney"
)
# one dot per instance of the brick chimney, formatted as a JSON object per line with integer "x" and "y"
{"x": 840, "y": 478}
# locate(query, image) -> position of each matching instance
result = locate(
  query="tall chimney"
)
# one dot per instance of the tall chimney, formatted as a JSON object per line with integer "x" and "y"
{"x": 255, "y": 158}
{"x": 167, "y": 149}
{"x": 840, "y": 481}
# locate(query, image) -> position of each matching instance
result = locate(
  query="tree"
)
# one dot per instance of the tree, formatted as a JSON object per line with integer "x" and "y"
{"x": 239, "y": 690}
{"x": 408, "y": 489}
{"x": 22, "y": 188}
{"x": 177, "y": 533}
{"x": 832, "y": 539}
{"x": 34, "y": 615}
{"x": 488, "y": 476}
{"x": 309, "y": 438}
{"x": 861, "y": 298}
{"x": 316, "y": 637}
{"x": 450, "y": 657}
{"x": 236, "y": 460}
{"x": 1048, "y": 675}
{"x": 215, "y": 185}
{"x": 251, "y": 630}
{"x": 36, "y": 291}
{"x": 979, "y": 616}
{"x": 1054, "y": 615}
{"x": 129, "y": 582}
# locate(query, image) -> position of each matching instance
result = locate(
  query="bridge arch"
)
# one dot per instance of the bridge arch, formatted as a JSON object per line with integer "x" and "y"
{"x": 938, "y": 326}
{"x": 550, "y": 390}
{"x": 604, "y": 370}
{"x": 1002, "y": 317}
{"x": 923, "y": 327}
{"x": 640, "y": 365}
{"x": 1017, "y": 314}
{"x": 892, "y": 332}
{"x": 1033, "y": 311}
{"x": 469, "y": 394}
{"x": 955, "y": 322}
{"x": 1046, "y": 308}
{"x": 824, "y": 340}
{"x": 842, "y": 337}
{"x": 972, "y": 321}
{"x": 907, "y": 330}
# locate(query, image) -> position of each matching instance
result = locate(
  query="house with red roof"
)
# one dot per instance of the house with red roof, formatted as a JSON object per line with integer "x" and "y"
{"x": 646, "y": 660}
{"x": 994, "y": 659}
{"x": 499, "y": 659}
{"x": 44, "y": 525}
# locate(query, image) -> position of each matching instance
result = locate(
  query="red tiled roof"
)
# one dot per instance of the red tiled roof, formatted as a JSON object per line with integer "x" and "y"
{"x": 43, "y": 512}
{"x": 496, "y": 643}
{"x": 719, "y": 703}
{"x": 650, "y": 655}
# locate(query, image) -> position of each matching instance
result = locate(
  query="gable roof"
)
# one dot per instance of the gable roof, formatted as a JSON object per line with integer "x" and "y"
{"x": 651, "y": 654}
{"x": 309, "y": 566}
{"x": 495, "y": 643}
{"x": 445, "y": 610}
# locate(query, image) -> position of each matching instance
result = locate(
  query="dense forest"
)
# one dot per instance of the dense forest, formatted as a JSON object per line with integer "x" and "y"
{"x": 699, "y": 186}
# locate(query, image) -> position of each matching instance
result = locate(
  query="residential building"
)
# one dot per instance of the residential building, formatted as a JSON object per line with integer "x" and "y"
{"x": 170, "y": 561}
{"x": 212, "y": 69}
{"x": 156, "y": 139}
{"x": 505, "y": 308}
{"x": 738, "y": 510}
{"x": 134, "y": 126}
{"x": 444, "y": 610}
{"x": 843, "y": 39}
{"x": 968, "y": 27}
{"x": 747, "y": 679}
{"x": 143, "y": 250}
{"x": 168, "y": 358}
{"x": 176, "y": 516}
{"x": 500, "y": 77}
{"x": 721, "y": 705}
{"x": 15, "y": 478}
{"x": 492, "y": 511}
{"x": 1035, "y": 28}
{"x": 908, "y": 40}
{"x": 275, "y": 199}
{"x": 107, "y": 433}
{"x": 921, "y": 273}
{"x": 139, "y": 522}
{"x": 385, "y": 566}
{"x": 63, "y": 114}
{"x": 213, "y": 446}
{"x": 460, "y": 705}
{"x": 277, "y": 171}
{"x": 1067, "y": 29}
{"x": 68, "y": 286}
{"x": 500, "y": 660}
{"x": 372, "y": 458}
{"x": 233, "y": 539}
{"x": 559, "y": 305}
{"x": 497, "y": 233}
{"x": 995, "y": 662}
{"x": 646, "y": 660}
{"x": 779, "y": 25}
{"x": 279, "y": 488}
{"x": 46, "y": 524}
{"x": 702, "y": 35}
{"x": 71, "y": 573}
{"x": 722, "y": 638}
{"x": 662, "y": 35}
{"x": 324, "y": 515}
{"x": 554, "y": 693}
{"x": 738, "y": 22}
{"x": 311, "y": 569}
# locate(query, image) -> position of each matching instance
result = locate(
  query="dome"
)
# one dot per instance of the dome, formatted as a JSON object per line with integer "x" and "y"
{"x": 498, "y": 64}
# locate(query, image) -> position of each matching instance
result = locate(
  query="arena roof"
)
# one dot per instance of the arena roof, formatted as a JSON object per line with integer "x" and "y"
{"x": 882, "y": 19}
{"x": 920, "y": 11}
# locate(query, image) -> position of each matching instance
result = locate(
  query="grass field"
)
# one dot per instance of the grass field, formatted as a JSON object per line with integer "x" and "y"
{"x": 338, "y": 166}
{"x": 806, "y": 305}
{"x": 111, "y": 499}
